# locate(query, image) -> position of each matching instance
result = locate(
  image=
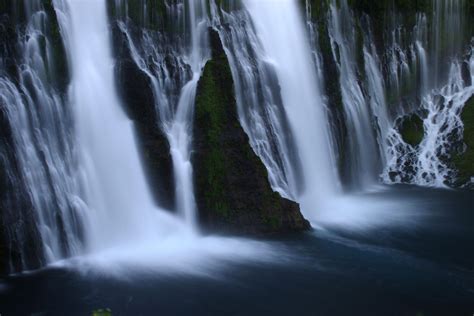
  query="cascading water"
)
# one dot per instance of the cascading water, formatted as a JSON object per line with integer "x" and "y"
{"x": 417, "y": 66}
{"x": 370, "y": 102}
{"x": 259, "y": 102}
{"x": 77, "y": 157}
{"x": 73, "y": 161}
{"x": 378, "y": 104}
{"x": 447, "y": 37}
{"x": 44, "y": 155}
{"x": 442, "y": 127}
{"x": 121, "y": 210}
{"x": 284, "y": 55}
{"x": 440, "y": 94}
{"x": 179, "y": 131}
{"x": 362, "y": 143}
{"x": 174, "y": 99}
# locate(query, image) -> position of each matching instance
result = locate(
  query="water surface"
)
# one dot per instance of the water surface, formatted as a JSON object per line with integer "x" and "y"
{"x": 416, "y": 259}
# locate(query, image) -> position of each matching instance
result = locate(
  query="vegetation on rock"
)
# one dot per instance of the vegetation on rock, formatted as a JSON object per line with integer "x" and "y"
{"x": 464, "y": 162}
{"x": 232, "y": 188}
{"x": 411, "y": 129}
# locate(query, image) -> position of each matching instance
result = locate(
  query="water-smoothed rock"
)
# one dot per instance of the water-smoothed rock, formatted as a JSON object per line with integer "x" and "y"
{"x": 233, "y": 193}
{"x": 464, "y": 161}
{"x": 20, "y": 241}
{"x": 411, "y": 129}
{"x": 139, "y": 102}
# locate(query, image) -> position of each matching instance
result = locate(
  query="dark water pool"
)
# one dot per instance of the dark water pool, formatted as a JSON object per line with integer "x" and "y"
{"x": 421, "y": 266}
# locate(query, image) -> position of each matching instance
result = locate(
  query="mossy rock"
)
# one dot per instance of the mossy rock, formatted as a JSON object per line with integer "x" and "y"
{"x": 464, "y": 162}
{"x": 412, "y": 130}
{"x": 233, "y": 193}
{"x": 102, "y": 312}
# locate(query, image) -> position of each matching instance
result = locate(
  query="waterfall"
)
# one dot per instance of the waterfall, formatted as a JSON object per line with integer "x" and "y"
{"x": 289, "y": 130}
{"x": 362, "y": 143}
{"x": 259, "y": 102}
{"x": 69, "y": 157}
{"x": 43, "y": 163}
{"x": 174, "y": 99}
{"x": 426, "y": 164}
{"x": 440, "y": 95}
{"x": 121, "y": 210}
{"x": 377, "y": 99}
{"x": 179, "y": 131}
{"x": 447, "y": 37}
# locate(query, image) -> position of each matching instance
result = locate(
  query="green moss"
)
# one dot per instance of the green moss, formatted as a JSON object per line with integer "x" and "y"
{"x": 232, "y": 187}
{"x": 272, "y": 221}
{"x": 464, "y": 162}
{"x": 102, "y": 312}
{"x": 412, "y": 130}
{"x": 319, "y": 8}
{"x": 211, "y": 113}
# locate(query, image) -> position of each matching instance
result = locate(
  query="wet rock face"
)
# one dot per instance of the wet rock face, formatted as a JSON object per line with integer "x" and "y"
{"x": 139, "y": 103}
{"x": 20, "y": 241}
{"x": 464, "y": 158}
{"x": 232, "y": 189}
{"x": 411, "y": 129}
{"x": 16, "y": 212}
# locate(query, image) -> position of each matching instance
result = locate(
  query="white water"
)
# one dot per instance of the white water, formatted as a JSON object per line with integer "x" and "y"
{"x": 174, "y": 98}
{"x": 442, "y": 92}
{"x": 287, "y": 48}
{"x": 121, "y": 210}
{"x": 377, "y": 100}
{"x": 364, "y": 164}
{"x": 259, "y": 103}
{"x": 278, "y": 86}
{"x": 125, "y": 231}
{"x": 441, "y": 125}
{"x": 179, "y": 130}
{"x": 44, "y": 154}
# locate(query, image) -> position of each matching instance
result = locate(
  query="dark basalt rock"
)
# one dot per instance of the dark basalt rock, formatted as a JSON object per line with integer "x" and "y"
{"x": 20, "y": 242}
{"x": 8, "y": 40}
{"x": 16, "y": 212}
{"x": 232, "y": 189}
{"x": 139, "y": 103}
{"x": 411, "y": 129}
{"x": 464, "y": 159}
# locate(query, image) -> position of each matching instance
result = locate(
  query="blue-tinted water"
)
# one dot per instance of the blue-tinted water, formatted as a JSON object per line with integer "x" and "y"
{"x": 421, "y": 263}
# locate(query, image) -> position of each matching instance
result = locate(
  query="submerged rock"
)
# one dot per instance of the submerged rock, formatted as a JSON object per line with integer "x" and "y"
{"x": 232, "y": 188}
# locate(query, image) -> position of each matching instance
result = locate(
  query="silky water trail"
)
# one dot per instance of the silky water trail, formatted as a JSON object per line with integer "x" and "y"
{"x": 123, "y": 227}
{"x": 311, "y": 178}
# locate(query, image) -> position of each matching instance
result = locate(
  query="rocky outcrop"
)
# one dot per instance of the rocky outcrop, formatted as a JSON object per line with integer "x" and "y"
{"x": 233, "y": 193}
{"x": 20, "y": 241}
{"x": 139, "y": 102}
{"x": 464, "y": 161}
{"x": 411, "y": 129}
